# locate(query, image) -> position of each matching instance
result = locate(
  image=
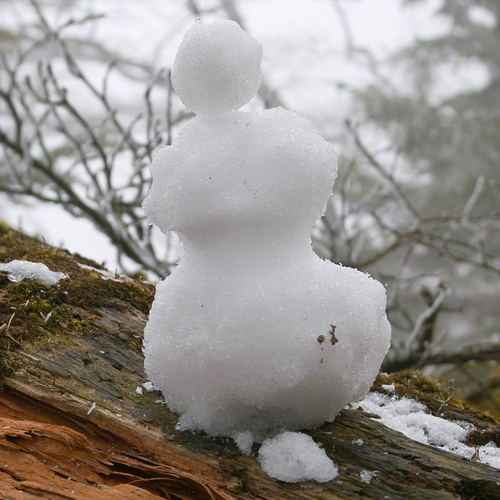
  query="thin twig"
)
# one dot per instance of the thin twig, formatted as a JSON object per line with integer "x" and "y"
{"x": 422, "y": 318}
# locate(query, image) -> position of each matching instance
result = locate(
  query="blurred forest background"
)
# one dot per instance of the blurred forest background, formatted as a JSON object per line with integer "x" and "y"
{"x": 416, "y": 127}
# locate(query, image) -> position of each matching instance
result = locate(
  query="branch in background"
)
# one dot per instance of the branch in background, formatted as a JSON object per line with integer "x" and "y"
{"x": 353, "y": 50}
{"x": 80, "y": 172}
{"x": 414, "y": 343}
{"x": 384, "y": 174}
{"x": 478, "y": 352}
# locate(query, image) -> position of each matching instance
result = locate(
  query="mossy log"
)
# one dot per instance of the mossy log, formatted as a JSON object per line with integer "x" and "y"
{"x": 74, "y": 425}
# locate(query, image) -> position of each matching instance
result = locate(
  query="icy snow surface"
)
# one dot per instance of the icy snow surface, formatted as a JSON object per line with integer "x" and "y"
{"x": 411, "y": 418}
{"x": 252, "y": 333}
{"x": 244, "y": 441}
{"x": 148, "y": 386}
{"x": 389, "y": 387}
{"x": 490, "y": 454}
{"x": 367, "y": 475}
{"x": 293, "y": 456}
{"x": 19, "y": 270}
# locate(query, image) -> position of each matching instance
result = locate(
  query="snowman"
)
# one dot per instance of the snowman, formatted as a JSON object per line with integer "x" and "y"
{"x": 252, "y": 334}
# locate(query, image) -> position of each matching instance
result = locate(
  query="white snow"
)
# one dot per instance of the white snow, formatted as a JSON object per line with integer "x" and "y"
{"x": 138, "y": 390}
{"x": 367, "y": 475}
{"x": 91, "y": 409}
{"x": 413, "y": 420}
{"x": 252, "y": 332}
{"x": 19, "y": 270}
{"x": 148, "y": 386}
{"x": 490, "y": 454}
{"x": 47, "y": 316}
{"x": 293, "y": 456}
{"x": 389, "y": 387}
{"x": 244, "y": 441}
{"x": 217, "y": 68}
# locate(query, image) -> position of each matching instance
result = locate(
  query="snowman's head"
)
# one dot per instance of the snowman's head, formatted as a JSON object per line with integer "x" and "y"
{"x": 217, "y": 68}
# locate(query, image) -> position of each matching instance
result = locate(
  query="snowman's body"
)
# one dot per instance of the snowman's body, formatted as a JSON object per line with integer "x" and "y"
{"x": 252, "y": 331}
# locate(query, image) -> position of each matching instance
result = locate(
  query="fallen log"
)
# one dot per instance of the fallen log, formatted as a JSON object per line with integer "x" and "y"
{"x": 77, "y": 422}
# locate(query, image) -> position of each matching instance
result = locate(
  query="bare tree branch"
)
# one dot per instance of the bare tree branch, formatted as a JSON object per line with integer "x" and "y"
{"x": 53, "y": 151}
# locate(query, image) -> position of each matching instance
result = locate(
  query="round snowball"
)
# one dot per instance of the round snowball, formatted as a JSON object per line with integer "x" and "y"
{"x": 217, "y": 68}
{"x": 293, "y": 456}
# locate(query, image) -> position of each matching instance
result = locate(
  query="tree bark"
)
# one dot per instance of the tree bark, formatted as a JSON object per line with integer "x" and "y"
{"x": 73, "y": 423}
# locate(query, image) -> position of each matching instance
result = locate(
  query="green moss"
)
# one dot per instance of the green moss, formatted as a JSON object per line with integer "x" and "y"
{"x": 411, "y": 382}
{"x": 136, "y": 344}
{"x": 32, "y": 309}
{"x": 79, "y": 325}
{"x": 4, "y": 227}
{"x": 8, "y": 368}
{"x": 93, "y": 292}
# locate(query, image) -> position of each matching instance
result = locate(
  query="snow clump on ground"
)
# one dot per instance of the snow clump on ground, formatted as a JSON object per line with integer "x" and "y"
{"x": 412, "y": 419}
{"x": 294, "y": 456}
{"x": 19, "y": 270}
